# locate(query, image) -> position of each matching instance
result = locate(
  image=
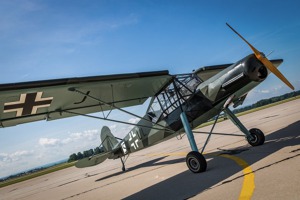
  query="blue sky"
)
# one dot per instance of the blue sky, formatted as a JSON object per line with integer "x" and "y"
{"x": 57, "y": 39}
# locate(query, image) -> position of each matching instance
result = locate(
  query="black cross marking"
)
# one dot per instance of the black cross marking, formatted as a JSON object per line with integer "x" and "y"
{"x": 28, "y": 106}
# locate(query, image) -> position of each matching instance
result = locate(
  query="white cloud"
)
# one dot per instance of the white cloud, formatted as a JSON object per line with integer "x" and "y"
{"x": 17, "y": 161}
{"x": 88, "y": 135}
{"x": 112, "y": 127}
{"x": 134, "y": 120}
{"x": 49, "y": 141}
{"x": 262, "y": 91}
{"x": 12, "y": 157}
{"x": 265, "y": 91}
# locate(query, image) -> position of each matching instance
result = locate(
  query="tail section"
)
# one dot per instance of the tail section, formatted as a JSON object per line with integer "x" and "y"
{"x": 92, "y": 161}
{"x": 109, "y": 142}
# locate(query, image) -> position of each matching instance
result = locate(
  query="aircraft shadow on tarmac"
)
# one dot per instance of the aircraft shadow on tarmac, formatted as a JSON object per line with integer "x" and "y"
{"x": 153, "y": 162}
{"x": 186, "y": 184}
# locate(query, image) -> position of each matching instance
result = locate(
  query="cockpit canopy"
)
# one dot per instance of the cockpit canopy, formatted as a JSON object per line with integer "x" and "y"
{"x": 175, "y": 94}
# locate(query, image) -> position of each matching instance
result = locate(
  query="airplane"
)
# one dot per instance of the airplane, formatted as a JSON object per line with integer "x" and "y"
{"x": 178, "y": 103}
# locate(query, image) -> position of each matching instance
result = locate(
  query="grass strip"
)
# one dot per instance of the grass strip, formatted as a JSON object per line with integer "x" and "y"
{"x": 36, "y": 174}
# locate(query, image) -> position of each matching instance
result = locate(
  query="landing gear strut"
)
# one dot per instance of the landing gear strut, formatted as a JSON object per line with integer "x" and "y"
{"x": 194, "y": 160}
{"x": 254, "y": 136}
{"x": 123, "y": 165}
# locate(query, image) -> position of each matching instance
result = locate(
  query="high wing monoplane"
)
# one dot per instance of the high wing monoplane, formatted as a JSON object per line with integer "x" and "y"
{"x": 179, "y": 103}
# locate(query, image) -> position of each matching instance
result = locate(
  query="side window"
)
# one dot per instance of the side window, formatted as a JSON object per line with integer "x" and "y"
{"x": 155, "y": 111}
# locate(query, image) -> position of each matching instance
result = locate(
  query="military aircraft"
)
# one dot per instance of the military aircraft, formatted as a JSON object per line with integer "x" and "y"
{"x": 179, "y": 103}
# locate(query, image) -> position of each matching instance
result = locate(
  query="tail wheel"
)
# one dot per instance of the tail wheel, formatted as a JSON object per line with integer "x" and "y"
{"x": 258, "y": 137}
{"x": 196, "y": 162}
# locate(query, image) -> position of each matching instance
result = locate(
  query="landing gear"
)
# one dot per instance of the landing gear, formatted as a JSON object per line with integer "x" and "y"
{"x": 254, "y": 136}
{"x": 196, "y": 162}
{"x": 258, "y": 137}
{"x": 123, "y": 165}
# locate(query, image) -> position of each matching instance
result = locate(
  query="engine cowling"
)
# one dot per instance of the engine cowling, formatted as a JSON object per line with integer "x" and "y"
{"x": 234, "y": 78}
{"x": 254, "y": 69}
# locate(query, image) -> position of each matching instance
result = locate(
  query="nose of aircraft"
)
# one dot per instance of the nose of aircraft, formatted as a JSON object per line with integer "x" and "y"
{"x": 261, "y": 57}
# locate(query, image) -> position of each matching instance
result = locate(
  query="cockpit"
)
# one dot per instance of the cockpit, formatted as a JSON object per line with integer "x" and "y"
{"x": 173, "y": 96}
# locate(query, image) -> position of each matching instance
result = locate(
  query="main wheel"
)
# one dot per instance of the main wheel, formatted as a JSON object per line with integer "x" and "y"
{"x": 196, "y": 162}
{"x": 258, "y": 137}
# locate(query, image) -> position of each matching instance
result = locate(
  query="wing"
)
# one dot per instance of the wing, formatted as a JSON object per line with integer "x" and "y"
{"x": 204, "y": 73}
{"x": 40, "y": 100}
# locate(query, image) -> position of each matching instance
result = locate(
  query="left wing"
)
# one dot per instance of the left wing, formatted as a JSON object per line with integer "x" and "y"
{"x": 39, "y": 100}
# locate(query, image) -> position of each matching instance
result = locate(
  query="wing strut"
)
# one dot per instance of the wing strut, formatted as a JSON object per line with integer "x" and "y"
{"x": 115, "y": 107}
{"x": 209, "y": 135}
{"x": 112, "y": 120}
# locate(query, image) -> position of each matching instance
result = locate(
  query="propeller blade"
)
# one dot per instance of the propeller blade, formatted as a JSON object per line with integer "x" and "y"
{"x": 264, "y": 60}
{"x": 256, "y": 52}
{"x": 275, "y": 71}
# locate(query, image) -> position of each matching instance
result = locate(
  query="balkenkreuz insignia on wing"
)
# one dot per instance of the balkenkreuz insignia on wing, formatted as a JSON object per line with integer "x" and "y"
{"x": 28, "y": 104}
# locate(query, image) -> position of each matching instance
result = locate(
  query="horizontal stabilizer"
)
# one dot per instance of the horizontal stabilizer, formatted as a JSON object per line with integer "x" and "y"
{"x": 92, "y": 161}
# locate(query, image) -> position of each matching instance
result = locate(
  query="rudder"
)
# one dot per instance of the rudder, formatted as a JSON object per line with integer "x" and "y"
{"x": 108, "y": 139}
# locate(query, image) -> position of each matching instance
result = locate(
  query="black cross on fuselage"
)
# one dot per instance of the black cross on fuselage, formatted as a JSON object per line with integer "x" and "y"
{"x": 28, "y": 105}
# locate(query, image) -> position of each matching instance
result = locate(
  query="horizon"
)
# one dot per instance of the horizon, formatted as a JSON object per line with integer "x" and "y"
{"x": 42, "y": 40}
{"x": 36, "y": 167}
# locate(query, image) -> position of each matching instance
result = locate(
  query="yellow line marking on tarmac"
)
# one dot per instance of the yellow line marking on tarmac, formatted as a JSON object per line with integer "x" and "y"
{"x": 248, "y": 184}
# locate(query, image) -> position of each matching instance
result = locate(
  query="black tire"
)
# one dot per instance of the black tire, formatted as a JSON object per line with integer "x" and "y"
{"x": 258, "y": 135}
{"x": 196, "y": 162}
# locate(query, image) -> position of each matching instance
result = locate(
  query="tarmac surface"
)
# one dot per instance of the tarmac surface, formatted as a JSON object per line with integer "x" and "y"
{"x": 235, "y": 169}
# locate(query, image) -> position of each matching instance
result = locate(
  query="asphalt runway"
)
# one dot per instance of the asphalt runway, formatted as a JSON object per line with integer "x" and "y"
{"x": 235, "y": 169}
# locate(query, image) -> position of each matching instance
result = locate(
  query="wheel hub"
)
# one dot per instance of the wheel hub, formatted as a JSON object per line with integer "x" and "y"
{"x": 194, "y": 163}
{"x": 254, "y": 138}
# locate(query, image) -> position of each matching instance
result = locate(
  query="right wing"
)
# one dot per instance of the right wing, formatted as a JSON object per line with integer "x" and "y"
{"x": 204, "y": 73}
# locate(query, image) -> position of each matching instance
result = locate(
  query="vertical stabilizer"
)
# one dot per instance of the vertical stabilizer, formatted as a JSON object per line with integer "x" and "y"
{"x": 107, "y": 139}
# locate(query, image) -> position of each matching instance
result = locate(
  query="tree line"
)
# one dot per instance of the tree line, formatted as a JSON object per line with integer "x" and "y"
{"x": 85, "y": 154}
{"x": 264, "y": 102}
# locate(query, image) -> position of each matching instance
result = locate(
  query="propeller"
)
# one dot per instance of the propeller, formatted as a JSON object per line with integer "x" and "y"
{"x": 262, "y": 58}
